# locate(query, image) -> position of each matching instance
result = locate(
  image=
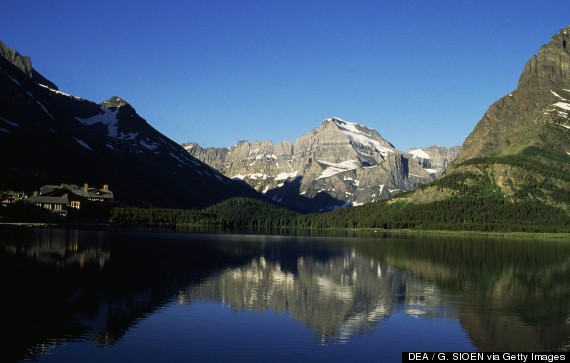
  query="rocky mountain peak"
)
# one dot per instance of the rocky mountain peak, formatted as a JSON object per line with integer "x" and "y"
{"x": 551, "y": 67}
{"x": 24, "y": 63}
{"x": 115, "y": 102}
{"x": 536, "y": 114}
{"x": 338, "y": 163}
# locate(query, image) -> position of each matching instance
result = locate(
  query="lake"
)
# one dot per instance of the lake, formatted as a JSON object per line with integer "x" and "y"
{"x": 117, "y": 296}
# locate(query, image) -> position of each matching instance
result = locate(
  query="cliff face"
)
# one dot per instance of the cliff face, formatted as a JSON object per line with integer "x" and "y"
{"x": 339, "y": 163}
{"x": 435, "y": 158}
{"x": 535, "y": 114}
{"x": 520, "y": 150}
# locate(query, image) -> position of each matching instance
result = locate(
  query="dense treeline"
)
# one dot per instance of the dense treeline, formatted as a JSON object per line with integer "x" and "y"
{"x": 232, "y": 213}
{"x": 473, "y": 201}
{"x": 476, "y": 214}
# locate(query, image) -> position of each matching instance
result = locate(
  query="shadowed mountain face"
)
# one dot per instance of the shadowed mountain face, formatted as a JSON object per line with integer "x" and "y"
{"x": 349, "y": 163}
{"x": 50, "y": 137}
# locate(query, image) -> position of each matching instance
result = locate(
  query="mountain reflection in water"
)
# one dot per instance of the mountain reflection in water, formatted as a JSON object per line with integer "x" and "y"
{"x": 67, "y": 285}
{"x": 337, "y": 297}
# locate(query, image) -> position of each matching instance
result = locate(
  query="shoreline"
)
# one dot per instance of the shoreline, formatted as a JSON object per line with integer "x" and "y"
{"x": 369, "y": 232}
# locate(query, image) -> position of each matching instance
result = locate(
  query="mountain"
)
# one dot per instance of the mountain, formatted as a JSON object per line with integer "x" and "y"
{"x": 339, "y": 163}
{"x": 434, "y": 158}
{"x": 520, "y": 149}
{"x": 533, "y": 115}
{"x": 50, "y": 137}
{"x": 511, "y": 174}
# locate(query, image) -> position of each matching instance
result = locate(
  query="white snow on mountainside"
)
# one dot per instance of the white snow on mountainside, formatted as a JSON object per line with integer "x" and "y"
{"x": 338, "y": 163}
{"x": 362, "y": 135}
{"x": 419, "y": 153}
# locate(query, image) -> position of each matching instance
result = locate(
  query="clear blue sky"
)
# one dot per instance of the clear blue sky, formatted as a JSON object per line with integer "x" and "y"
{"x": 420, "y": 72}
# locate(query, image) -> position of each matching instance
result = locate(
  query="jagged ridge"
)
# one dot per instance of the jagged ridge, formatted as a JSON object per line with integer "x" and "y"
{"x": 339, "y": 163}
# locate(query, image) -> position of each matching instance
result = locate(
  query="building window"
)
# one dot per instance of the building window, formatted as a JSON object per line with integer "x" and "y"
{"x": 57, "y": 207}
{"x": 75, "y": 204}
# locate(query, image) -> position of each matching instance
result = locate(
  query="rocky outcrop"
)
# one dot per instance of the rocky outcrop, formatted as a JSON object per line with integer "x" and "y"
{"x": 536, "y": 114}
{"x": 434, "y": 158}
{"x": 339, "y": 163}
{"x": 519, "y": 151}
{"x": 551, "y": 67}
{"x": 24, "y": 64}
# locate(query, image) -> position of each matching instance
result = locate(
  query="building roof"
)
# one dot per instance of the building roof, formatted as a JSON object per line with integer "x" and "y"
{"x": 44, "y": 199}
{"x": 100, "y": 193}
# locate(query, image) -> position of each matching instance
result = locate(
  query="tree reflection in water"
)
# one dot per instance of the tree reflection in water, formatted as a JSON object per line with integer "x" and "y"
{"x": 508, "y": 295}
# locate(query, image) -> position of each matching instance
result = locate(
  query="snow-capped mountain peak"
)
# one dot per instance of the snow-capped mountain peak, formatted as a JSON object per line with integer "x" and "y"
{"x": 365, "y": 140}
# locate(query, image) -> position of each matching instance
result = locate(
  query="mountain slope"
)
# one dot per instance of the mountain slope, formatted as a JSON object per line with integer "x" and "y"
{"x": 49, "y": 137}
{"x": 521, "y": 146}
{"x": 512, "y": 173}
{"x": 535, "y": 114}
{"x": 339, "y": 163}
{"x": 435, "y": 158}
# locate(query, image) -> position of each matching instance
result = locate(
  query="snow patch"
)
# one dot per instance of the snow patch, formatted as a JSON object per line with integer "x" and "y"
{"x": 177, "y": 158}
{"x": 44, "y": 108}
{"x": 562, "y": 105}
{"x": 11, "y": 123}
{"x": 431, "y": 171}
{"x": 557, "y": 95}
{"x": 108, "y": 118}
{"x": 285, "y": 176}
{"x": 360, "y": 137}
{"x": 148, "y": 146}
{"x": 335, "y": 168}
{"x": 238, "y": 177}
{"x": 59, "y": 92}
{"x": 568, "y": 127}
{"x": 3, "y": 130}
{"x": 419, "y": 153}
{"x": 418, "y": 176}
{"x": 14, "y": 80}
{"x": 83, "y": 143}
{"x": 345, "y": 205}
{"x": 272, "y": 156}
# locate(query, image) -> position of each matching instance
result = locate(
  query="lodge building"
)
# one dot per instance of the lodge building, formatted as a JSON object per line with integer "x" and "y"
{"x": 60, "y": 198}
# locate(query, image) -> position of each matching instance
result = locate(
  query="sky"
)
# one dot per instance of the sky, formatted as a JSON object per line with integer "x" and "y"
{"x": 217, "y": 71}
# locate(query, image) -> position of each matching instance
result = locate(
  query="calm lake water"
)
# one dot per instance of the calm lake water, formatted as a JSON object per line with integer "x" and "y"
{"x": 89, "y": 296}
